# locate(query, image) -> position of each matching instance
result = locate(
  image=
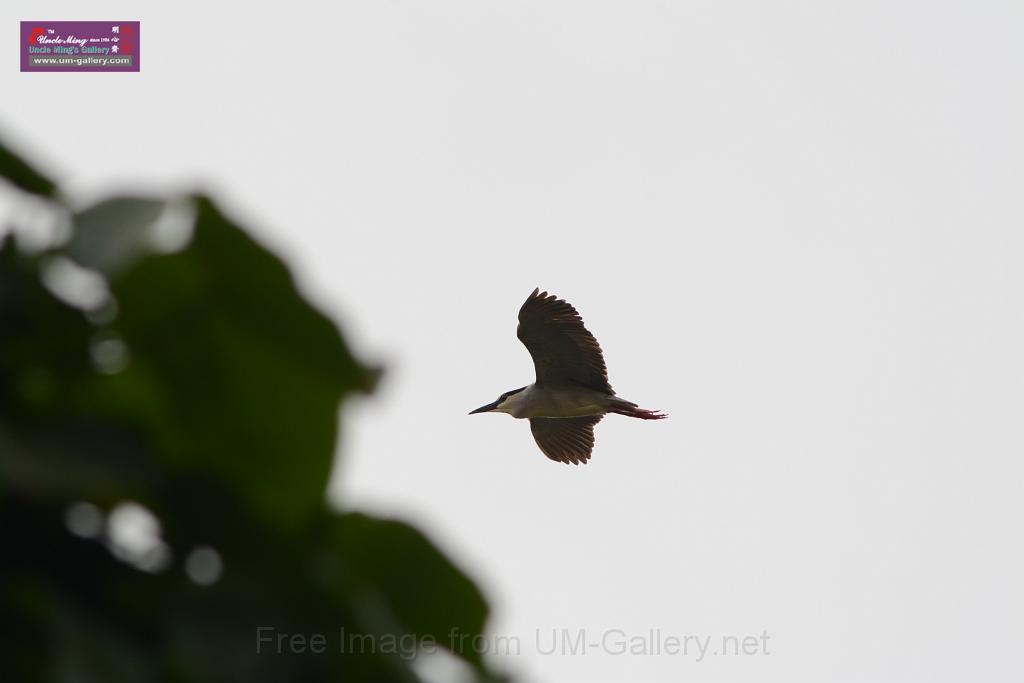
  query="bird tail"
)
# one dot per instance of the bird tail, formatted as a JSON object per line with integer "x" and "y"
{"x": 622, "y": 407}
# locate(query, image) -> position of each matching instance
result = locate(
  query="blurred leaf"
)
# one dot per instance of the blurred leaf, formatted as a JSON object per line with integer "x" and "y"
{"x": 48, "y": 448}
{"x": 219, "y": 417}
{"x": 110, "y": 235}
{"x": 74, "y": 462}
{"x": 424, "y": 592}
{"x": 20, "y": 174}
{"x": 44, "y": 343}
{"x": 234, "y": 373}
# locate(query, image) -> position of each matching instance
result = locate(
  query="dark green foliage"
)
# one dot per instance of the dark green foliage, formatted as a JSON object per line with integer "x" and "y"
{"x": 207, "y": 390}
{"x": 19, "y": 173}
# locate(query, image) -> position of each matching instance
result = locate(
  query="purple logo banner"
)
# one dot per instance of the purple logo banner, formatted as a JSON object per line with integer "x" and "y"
{"x": 79, "y": 46}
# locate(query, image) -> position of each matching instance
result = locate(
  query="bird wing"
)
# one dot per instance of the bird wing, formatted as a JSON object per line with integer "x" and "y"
{"x": 563, "y": 350}
{"x": 565, "y": 439}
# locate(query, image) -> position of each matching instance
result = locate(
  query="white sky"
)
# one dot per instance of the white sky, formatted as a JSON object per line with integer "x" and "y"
{"x": 796, "y": 227}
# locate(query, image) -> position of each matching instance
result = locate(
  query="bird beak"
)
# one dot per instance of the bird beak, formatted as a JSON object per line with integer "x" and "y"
{"x": 485, "y": 409}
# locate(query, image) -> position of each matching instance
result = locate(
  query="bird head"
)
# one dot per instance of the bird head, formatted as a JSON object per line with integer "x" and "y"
{"x": 499, "y": 406}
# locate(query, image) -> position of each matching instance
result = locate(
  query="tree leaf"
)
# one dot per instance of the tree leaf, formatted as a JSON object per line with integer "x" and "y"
{"x": 422, "y": 591}
{"x": 20, "y": 174}
{"x": 110, "y": 235}
{"x": 233, "y": 373}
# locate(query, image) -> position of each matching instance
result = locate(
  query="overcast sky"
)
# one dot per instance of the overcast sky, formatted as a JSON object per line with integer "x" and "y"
{"x": 794, "y": 226}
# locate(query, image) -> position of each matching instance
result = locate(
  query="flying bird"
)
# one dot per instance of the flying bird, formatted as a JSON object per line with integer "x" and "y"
{"x": 571, "y": 393}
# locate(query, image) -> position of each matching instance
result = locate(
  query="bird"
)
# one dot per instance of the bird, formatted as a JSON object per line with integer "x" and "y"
{"x": 571, "y": 392}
